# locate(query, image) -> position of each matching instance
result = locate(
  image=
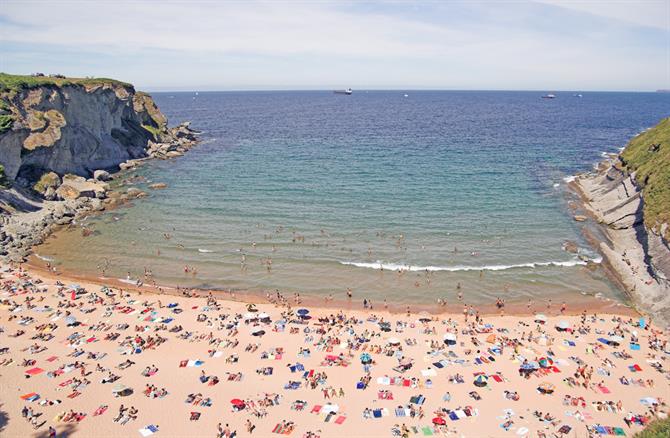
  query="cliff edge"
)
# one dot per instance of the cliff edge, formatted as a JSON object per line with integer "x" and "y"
{"x": 629, "y": 195}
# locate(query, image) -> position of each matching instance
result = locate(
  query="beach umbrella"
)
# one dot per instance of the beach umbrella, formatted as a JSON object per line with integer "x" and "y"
{"x": 546, "y": 388}
{"x": 481, "y": 380}
{"x": 439, "y": 421}
{"x": 365, "y": 358}
{"x": 491, "y": 339}
{"x": 450, "y": 339}
{"x": 250, "y": 315}
{"x": 563, "y": 325}
{"x": 302, "y": 312}
{"x": 616, "y": 340}
{"x": 546, "y": 362}
{"x": 425, "y": 319}
{"x": 257, "y": 331}
{"x": 393, "y": 341}
{"x": 70, "y": 320}
{"x": 527, "y": 366}
{"x": 540, "y": 318}
{"x": 236, "y": 402}
{"x": 263, "y": 316}
{"x": 328, "y": 408}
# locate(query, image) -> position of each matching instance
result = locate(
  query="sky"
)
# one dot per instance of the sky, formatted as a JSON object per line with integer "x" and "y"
{"x": 550, "y": 45}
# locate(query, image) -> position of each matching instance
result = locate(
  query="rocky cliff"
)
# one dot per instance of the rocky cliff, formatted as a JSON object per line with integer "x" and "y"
{"x": 74, "y": 126}
{"x": 60, "y": 141}
{"x": 630, "y": 197}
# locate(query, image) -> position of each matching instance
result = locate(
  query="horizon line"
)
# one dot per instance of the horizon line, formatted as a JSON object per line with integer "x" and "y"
{"x": 237, "y": 90}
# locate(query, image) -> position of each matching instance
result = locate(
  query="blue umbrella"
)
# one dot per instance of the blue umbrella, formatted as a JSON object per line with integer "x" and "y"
{"x": 365, "y": 358}
{"x": 302, "y": 311}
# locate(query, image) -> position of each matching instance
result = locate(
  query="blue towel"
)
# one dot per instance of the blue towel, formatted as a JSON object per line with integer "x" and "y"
{"x": 453, "y": 416}
{"x": 634, "y": 346}
{"x": 438, "y": 365}
{"x": 360, "y": 385}
{"x": 377, "y": 413}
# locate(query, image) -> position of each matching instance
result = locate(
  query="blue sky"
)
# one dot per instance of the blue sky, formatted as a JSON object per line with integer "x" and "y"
{"x": 228, "y": 45}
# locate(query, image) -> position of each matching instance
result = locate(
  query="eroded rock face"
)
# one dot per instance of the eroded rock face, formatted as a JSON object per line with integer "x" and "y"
{"x": 74, "y": 129}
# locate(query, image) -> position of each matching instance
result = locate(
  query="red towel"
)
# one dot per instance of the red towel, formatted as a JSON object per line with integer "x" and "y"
{"x": 340, "y": 419}
{"x": 34, "y": 371}
{"x": 637, "y": 367}
{"x": 497, "y": 378}
{"x": 52, "y": 358}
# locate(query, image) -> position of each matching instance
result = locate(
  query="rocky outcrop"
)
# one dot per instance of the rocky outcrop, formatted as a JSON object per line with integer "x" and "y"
{"x": 65, "y": 140}
{"x": 78, "y": 128}
{"x": 639, "y": 257}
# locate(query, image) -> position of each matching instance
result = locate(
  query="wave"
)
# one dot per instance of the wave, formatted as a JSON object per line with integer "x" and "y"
{"x": 204, "y": 250}
{"x": 396, "y": 267}
{"x": 45, "y": 258}
{"x": 569, "y": 179}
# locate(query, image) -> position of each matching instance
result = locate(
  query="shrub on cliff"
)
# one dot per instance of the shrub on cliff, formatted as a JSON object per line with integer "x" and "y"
{"x": 657, "y": 429}
{"x": 648, "y": 155}
{"x": 3, "y": 180}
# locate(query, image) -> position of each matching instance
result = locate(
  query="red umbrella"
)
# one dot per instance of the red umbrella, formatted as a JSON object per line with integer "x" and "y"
{"x": 439, "y": 421}
{"x": 73, "y": 296}
{"x": 237, "y": 402}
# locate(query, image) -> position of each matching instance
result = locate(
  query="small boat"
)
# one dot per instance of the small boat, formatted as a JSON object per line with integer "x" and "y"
{"x": 348, "y": 91}
{"x": 549, "y": 96}
{"x": 578, "y": 95}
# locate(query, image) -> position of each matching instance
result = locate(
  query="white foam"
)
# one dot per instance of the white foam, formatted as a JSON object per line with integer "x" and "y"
{"x": 45, "y": 258}
{"x": 569, "y": 179}
{"x": 128, "y": 281}
{"x": 204, "y": 250}
{"x": 531, "y": 265}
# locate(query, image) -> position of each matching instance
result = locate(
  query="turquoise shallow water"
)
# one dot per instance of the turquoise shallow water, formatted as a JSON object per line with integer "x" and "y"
{"x": 466, "y": 185}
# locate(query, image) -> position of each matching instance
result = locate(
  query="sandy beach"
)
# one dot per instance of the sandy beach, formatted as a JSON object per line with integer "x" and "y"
{"x": 180, "y": 366}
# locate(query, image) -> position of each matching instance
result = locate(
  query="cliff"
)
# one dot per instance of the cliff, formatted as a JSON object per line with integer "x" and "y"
{"x": 630, "y": 197}
{"x": 60, "y": 140}
{"x": 73, "y": 126}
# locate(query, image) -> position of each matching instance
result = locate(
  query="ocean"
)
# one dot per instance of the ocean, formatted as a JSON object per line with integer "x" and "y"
{"x": 398, "y": 195}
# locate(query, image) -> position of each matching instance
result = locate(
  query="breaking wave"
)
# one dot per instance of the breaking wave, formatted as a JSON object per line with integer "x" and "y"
{"x": 396, "y": 267}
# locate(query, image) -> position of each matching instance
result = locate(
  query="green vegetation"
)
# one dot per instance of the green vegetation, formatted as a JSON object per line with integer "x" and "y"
{"x": 656, "y": 429}
{"x": 10, "y": 82}
{"x": 6, "y": 122}
{"x": 153, "y": 130}
{"x": 648, "y": 154}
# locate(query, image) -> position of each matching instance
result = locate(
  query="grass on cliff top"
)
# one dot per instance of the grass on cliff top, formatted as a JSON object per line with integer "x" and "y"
{"x": 648, "y": 154}
{"x": 656, "y": 429}
{"x": 9, "y": 82}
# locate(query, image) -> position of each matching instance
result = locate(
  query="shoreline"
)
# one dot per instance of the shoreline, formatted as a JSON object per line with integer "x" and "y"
{"x": 512, "y": 309}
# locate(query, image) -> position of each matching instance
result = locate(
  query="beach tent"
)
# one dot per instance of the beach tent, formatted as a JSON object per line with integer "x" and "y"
{"x": 264, "y": 317}
{"x": 540, "y": 318}
{"x": 302, "y": 312}
{"x": 393, "y": 341}
{"x": 328, "y": 408}
{"x": 615, "y": 340}
{"x": 250, "y": 316}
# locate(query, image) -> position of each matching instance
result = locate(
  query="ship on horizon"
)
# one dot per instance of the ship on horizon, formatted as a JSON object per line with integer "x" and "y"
{"x": 348, "y": 91}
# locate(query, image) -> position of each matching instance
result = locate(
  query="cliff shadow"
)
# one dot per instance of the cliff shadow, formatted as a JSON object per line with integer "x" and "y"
{"x": 642, "y": 238}
{"x": 62, "y": 431}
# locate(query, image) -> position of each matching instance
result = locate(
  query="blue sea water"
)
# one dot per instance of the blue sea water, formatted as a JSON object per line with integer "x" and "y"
{"x": 466, "y": 185}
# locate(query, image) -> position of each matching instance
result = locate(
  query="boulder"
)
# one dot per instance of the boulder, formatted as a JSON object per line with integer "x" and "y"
{"x": 158, "y": 186}
{"x": 571, "y": 247}
{"x": 101, "y": 175}
{"x": 580, "y": 218}
{"x": 47, "y": 181}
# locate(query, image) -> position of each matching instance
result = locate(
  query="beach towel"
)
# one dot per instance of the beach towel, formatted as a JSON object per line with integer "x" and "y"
{"x": 604, "y": 389}
{"x": 634, "y": 346}
{"x": 619, "y": 431}
{"x": 399, "y": 412}
{"x": 316, "y": 409}
{"x": 52, "y": 358}
{"x": 34, "y": 371}
{"x": 377, "y": 413}
{"x": 453, "y": 416}
{"x": 32, "y": 396}
{"x": 427, "y": 431}
{"x": 497, "y": 378}
{"x": 149, "y": 430}
{"x": 340, "y": 419}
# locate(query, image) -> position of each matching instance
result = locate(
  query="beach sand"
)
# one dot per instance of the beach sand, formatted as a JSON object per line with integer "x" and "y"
{"x": 217, "y": 333}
